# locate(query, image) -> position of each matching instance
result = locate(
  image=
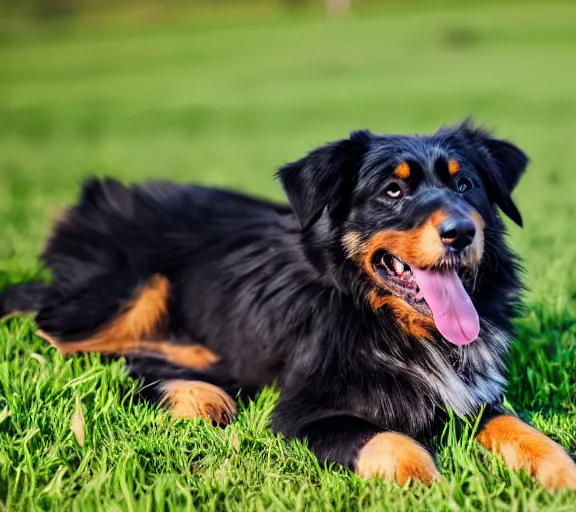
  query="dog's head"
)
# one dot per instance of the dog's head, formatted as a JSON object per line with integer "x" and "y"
{"x": 412, "y": 215}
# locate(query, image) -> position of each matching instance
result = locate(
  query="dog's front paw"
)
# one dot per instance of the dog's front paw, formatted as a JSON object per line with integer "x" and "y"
{"x": 393, "y": 456}
{"x": 555, "y": 471}
{"x": 524, "y": 447}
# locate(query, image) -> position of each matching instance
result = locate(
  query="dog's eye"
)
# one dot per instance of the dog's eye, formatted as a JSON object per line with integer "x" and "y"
{"x": 463, "y": 184}
{"x": 394, "y": 190}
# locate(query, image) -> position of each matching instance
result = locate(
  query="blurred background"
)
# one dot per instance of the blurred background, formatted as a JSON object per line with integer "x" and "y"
{"x": 224, "y": 91}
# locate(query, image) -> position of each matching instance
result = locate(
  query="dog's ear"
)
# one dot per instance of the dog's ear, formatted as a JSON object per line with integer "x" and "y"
{"x": 323, "y": 177}
{"x": 501, "y": 173}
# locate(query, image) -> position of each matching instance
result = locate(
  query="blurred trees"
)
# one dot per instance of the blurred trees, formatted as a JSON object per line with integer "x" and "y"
{"x": 331, "y": 6}
{"x": 61, "y": 8}
{"x": 337, "y": 6}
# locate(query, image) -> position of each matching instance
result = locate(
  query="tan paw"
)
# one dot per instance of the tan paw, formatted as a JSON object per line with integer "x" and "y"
{"x": 524, "y": 448}
{"x": 196, "y": 399}
{"x": 396, "y": 457}
{"x": 556, "y": 471}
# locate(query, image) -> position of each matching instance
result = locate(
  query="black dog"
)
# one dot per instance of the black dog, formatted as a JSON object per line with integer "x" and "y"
{"x": 382, "y": 297}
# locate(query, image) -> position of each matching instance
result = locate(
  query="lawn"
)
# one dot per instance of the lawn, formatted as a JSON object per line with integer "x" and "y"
{"x": 225, "y": 104}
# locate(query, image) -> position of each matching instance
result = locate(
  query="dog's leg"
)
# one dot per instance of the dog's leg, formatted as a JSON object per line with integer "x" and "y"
{"x": 361, "y": 446}
{"x": 524, "y": 447}
{"x": 139, "y": 329}
{"x": 186, "y": 378}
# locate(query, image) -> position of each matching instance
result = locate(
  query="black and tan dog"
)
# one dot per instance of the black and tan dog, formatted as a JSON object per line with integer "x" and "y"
{"x": 380, "y": 298}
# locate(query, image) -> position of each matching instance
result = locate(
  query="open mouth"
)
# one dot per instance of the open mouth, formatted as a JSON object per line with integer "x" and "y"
{"x": 400, "y": 278}
{"x": 439, "y": 292}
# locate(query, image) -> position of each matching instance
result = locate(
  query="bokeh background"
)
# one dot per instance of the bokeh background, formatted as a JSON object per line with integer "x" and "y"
{"x": 222, "y": 92}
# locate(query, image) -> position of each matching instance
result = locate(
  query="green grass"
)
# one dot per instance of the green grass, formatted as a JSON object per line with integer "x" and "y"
{"x": 225, "y": 104}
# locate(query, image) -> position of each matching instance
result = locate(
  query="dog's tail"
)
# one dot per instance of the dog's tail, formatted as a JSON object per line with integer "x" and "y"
{"x": 23, "y": 298}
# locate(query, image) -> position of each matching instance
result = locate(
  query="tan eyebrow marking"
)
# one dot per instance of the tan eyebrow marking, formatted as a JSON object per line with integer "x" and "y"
{"x": 402, "y": 171}
{"x": 453, "y": 167}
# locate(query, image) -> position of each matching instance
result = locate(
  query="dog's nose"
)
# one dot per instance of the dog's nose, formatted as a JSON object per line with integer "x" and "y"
{"x": 457, "y": 233}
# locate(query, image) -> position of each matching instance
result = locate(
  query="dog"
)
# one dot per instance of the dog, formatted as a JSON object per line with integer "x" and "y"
{"x": 380, "y": 299}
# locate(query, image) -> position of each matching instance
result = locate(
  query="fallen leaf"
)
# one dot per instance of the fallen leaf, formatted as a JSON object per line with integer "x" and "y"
{"x": 77, "y": 426}
{"x": 38, "y": 357}
{"x": 5, "y": 414}
{"x": 234, "y": 441}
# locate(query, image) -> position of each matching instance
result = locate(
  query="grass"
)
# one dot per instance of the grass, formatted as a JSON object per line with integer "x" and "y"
{"x": 225, "y": 104}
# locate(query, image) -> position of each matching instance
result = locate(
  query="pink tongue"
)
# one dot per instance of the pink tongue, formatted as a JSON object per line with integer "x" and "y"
{"x": 454, "y": 314}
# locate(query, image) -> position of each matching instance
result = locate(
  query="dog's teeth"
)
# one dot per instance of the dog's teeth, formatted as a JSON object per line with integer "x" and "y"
{"x": 398, "y": 267}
